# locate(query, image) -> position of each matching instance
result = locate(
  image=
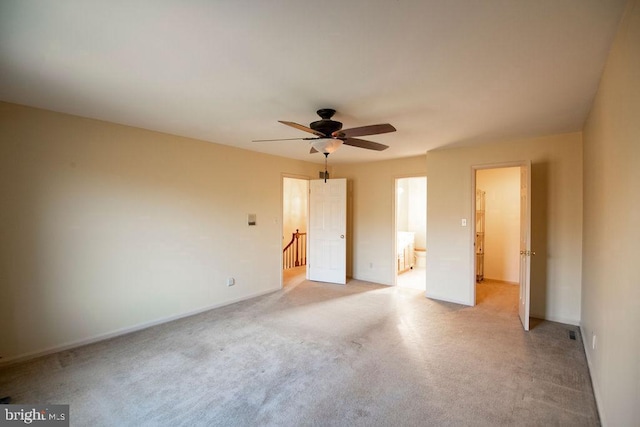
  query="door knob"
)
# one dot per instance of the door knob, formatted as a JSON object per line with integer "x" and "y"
{"x": 342, "y": 236}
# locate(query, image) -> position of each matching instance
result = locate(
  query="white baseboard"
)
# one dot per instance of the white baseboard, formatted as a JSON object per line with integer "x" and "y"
{"x": 502, "y": 281}
{"x": 558, "y": 319}
{"x": 594, "y": 384}
{"x": 124, "y": 331}
{"x": 441, "y": 298}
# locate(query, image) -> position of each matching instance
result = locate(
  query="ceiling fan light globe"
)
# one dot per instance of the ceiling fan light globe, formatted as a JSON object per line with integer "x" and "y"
{"x": 326, "y": 145}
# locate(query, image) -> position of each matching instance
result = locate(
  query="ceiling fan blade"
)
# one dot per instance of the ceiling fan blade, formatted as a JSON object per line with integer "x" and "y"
{"x": 364, "y": 130}
{"x": 279, "y": 139}
{"x": 303, "y": 128}
{"x": 363, "y": 143}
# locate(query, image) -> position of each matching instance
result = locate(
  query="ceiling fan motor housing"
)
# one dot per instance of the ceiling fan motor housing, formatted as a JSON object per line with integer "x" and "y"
{"x": 326, "y": 125}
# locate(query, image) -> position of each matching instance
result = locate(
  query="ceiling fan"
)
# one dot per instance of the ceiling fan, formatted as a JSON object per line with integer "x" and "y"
{"x": 329, "y": 135}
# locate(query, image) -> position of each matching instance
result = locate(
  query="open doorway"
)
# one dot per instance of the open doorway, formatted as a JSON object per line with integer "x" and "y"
{"x": 497, "y": 237}
{"x": 411, "y": 232}
{"x": 295, "y": 205}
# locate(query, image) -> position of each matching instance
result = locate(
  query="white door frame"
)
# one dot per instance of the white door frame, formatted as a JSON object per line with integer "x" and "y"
{"x": 474, "y": 169}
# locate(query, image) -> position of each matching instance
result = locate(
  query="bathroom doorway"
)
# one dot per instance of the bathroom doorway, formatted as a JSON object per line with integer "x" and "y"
{"x": 411, "y": 232}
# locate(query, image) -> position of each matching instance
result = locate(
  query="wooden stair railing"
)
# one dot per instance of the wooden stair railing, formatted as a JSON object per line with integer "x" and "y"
{"x": 295, "y": 253}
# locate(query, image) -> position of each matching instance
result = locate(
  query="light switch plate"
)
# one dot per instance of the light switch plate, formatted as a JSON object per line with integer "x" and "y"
{"x": 251, "y": 219}
{"x": 463, "y": 222}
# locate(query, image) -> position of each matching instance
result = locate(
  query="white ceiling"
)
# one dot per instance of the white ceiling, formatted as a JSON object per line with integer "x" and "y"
{"x": 446, "y": 72}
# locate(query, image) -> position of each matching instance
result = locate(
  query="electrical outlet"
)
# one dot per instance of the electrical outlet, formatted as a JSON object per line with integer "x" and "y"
{"x": 231, "y": 281}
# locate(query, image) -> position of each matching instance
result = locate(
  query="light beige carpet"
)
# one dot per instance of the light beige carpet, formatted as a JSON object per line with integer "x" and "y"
{"x": 325, "y": 355}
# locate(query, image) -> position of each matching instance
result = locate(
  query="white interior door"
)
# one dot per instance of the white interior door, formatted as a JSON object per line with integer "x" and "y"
{"x": 327, "y": 261}
{"x": 525, "y": 244}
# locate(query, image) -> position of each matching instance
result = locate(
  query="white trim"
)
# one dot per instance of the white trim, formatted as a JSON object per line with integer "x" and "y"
{"x": 506, "y": 282}
{"x": 557, "y": 319}
{"x": 472, "y": 229}
{"x": 594, "y": 384}
{"x": 124, "y": 331}
{"x": 394, "y": 232}
{"x": 446, "y": 299}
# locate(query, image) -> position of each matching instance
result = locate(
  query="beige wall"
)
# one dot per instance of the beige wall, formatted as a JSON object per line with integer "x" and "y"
{"x": 611, "y": 284}
{"x": 370, "y": 215}
{"x": 106, "y": 228}
{"x": 502, "y": 222}
{"x": 556, "y": 199}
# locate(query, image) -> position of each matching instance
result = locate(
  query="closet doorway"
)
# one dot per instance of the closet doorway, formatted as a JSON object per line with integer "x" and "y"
{"x": 295, "y": 211}
{"x": 411, "y": 232}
